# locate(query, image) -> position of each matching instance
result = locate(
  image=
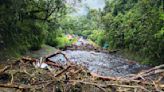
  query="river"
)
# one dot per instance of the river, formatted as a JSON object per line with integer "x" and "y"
{"x": 105, "y": 64}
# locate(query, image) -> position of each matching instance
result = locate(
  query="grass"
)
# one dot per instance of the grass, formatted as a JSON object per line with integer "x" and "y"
{"x": 8, "y": 56}
{"x": 45, "y": 50}
{"x": 93, "y": 43}
{"x": 136, "y": 57}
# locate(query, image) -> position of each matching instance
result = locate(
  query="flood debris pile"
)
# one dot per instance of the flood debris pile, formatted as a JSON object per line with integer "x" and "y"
{"x": 83, "y": 46}
{"x": 42, "y": 75}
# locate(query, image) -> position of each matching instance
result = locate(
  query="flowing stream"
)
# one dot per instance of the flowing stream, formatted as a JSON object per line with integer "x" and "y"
{"x": 101, "y": 63}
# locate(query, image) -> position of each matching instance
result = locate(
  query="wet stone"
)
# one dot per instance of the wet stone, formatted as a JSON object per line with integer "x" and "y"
{"x": 100, "y": 63}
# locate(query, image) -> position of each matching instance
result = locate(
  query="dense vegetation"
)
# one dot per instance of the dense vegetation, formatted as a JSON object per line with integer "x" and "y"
{"x": 135, "y": 26}
{"x": 25, "y": 24}
{"x": 89, "y": 26}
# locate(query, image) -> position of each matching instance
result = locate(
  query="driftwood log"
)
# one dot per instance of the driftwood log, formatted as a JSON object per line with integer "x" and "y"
{"x": 141, "y": 81}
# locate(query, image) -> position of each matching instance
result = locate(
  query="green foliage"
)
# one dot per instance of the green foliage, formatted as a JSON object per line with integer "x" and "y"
{"x": 136, "y": 25}
{"x": 24, "y": 24}
{"x": 89, "y": 26}
{"x": 98, "y": 36}
{"x": 78, "y": 24}
{"x": 59, "y": 41}
{"x": 51, "y": 39}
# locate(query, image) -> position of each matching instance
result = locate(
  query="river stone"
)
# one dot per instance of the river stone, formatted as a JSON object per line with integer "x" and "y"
{"x": 100, "y": 63}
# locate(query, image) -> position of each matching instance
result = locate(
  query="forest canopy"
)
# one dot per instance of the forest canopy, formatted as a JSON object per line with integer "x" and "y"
{"x": 136, "y": 26}
{"x": 25, "y": 24}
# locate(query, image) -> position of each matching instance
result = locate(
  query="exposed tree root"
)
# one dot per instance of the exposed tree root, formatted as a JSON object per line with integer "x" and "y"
{"x": 56, "y": 53}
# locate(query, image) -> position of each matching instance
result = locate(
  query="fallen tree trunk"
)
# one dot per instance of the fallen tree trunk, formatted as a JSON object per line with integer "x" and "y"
{"x": 56, "y": 53}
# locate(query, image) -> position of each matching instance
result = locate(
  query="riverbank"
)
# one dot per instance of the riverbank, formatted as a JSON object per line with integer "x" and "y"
{"x": 86, "y": 68}
{"x": 25, "y": 75}
{"x": 45, "y": 50}
{"x": 136, "y": 57}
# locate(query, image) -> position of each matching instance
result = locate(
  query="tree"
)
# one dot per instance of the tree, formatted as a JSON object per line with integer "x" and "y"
{"x": 132, "y": 24}
{"x": 25, "y": 23}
